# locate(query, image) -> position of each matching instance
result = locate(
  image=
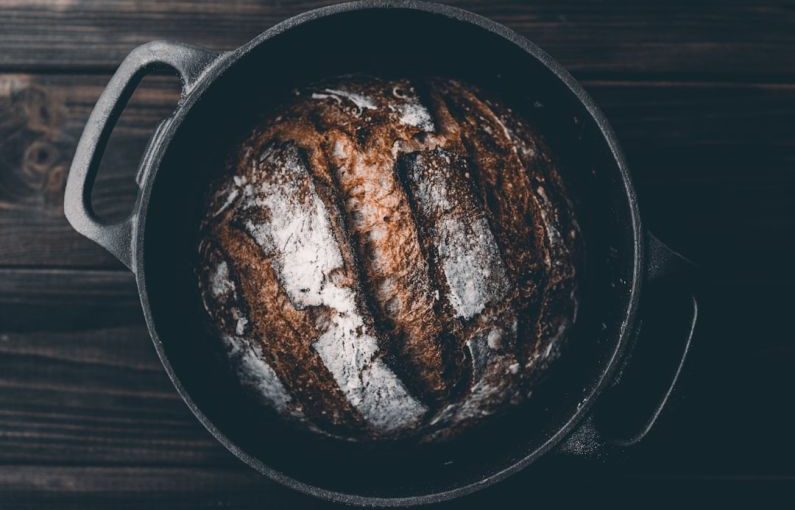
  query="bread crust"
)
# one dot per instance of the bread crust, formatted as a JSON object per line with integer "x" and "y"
{"x": 404, "y": 252}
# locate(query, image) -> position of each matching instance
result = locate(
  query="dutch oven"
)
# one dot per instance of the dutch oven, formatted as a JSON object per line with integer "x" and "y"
{"x": 615, "y": 372}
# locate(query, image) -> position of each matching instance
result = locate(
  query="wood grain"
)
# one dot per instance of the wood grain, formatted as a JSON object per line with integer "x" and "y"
{"x": 731, "y": 38}
{"x": 41, "y": 119}
{"x": 691, "y": 147}
{"x": 80, "y": 383}
{"x": 712, "y": 163}
{"x": 702, "y": 96}
{"x": 156, "y": 487}
{"x": 89, "y": 420}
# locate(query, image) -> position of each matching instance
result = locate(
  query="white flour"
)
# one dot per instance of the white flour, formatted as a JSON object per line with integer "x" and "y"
{"x": 471, "y": 264}
{"x": 257, "y": 374}
{"x": 220, "y": 283}
{"x": 298, "y": 235}
{"x": 412, "y": 113}
{"x": 359, "y": 100}
{"x": 467, "y": 249}
{"x": 252, "y": 369}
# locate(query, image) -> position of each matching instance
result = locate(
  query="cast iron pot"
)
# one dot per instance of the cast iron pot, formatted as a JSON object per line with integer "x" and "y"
{"x": 222, "y": 95}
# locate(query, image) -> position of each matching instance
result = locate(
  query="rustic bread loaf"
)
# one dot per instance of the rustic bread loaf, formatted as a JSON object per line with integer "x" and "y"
{"x": 390, "y": 258}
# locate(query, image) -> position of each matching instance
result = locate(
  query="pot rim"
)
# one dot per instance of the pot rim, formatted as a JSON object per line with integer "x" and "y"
{"x": 227, "y": 60}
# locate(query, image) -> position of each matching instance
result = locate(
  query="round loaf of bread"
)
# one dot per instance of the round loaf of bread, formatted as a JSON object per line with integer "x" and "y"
{"x": 390, "y": 258}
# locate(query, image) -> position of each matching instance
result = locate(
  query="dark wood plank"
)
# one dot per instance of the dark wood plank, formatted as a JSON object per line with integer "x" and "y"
{"x": 155, "y": 487}
{"x": 149, "y": 492}
{"x": 733, "y": 38}
{"x": 82, "y": 386}
{"x": 712, "y": 162}
{"x": 41, "y": 118}
{"x": 699, "y": 95}
{"x": 80, "y": 380}
{"x": 92, "y": 479}
{"x": 94, "y": 397}
{"x": 61, "y": 300}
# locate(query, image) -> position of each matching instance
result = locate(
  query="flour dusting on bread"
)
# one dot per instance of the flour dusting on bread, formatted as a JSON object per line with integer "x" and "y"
{"x": 381, "y": 263}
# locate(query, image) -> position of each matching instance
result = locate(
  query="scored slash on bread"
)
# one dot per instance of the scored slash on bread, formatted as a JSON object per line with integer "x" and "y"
{"x": 517, "y": 180}
{"x": 400, "y": 257}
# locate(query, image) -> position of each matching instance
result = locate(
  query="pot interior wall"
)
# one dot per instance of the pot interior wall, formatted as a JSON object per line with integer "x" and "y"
{"x": 392, "y": 42}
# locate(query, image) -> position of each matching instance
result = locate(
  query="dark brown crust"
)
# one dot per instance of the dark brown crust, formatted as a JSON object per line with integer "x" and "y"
{"x": 286, "y": 333}
{"x": 224, "y": 308}
{"x": 503, "y": 184}
{"x": 519, "y": 182}
{"x": 383, "y": 234}
{"x": 287, "y": 336}
{"x": 366, "y": 167}
{"x": 489, "y": 377}
{"x": 396, "y": 271}
{"x": 557, "y": 307}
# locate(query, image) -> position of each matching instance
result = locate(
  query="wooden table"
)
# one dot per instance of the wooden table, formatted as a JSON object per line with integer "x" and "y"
{"x": 702, "y": 96}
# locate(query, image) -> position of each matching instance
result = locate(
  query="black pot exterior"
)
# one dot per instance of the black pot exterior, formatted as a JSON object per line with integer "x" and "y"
{"x": 146, "y": 242}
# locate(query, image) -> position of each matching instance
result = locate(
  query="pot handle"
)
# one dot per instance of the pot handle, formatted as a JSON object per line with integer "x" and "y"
{"x": 668, "y": 312}
{"x": 116, "y": 237}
